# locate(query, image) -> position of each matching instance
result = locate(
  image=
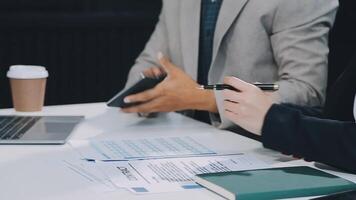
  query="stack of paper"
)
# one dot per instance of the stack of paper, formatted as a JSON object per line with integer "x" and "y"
{"x": 172, "y": 174}
{"x": 152, "y": 165}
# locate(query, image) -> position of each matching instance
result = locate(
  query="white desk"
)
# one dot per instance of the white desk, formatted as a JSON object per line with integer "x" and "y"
{"x": 33, "y": 173}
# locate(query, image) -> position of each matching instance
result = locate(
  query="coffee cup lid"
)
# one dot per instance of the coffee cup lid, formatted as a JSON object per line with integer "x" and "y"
{"x": 27, "y": 72}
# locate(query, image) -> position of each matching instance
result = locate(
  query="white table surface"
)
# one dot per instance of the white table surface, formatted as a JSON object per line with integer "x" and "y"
{"x": 32, "y": 172}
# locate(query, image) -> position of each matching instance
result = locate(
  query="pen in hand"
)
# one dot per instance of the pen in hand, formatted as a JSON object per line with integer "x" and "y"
{"x": 262, "y": 86}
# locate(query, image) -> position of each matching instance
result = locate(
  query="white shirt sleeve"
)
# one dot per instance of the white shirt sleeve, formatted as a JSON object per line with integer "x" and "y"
{"x": 355, "y": 108}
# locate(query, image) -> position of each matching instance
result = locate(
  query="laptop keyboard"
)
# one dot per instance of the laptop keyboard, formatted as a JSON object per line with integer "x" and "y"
{"x": 14, "y": 127}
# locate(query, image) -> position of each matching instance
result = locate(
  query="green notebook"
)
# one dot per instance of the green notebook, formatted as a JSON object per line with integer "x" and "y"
{"x": 275, "y": 183}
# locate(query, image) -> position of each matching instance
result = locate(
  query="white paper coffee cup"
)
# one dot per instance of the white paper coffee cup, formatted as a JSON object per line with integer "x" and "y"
{"x": 28, "y": 85}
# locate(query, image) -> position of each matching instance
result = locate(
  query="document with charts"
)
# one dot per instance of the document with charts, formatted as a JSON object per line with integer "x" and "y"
{"x": 172, "y": 174}
{"x": 148, "y": 148}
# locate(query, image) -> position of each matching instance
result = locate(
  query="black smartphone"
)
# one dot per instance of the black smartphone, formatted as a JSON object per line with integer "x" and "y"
{"x": 348, "y": 195}
{"x": 142, "y": 85}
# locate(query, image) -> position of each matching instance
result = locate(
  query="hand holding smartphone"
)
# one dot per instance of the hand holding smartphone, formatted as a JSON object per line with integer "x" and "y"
{"x": 142, "y": 85}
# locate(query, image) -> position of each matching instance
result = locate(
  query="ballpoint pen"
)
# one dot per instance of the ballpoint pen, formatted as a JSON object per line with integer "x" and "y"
{"x": 262, "y": 86}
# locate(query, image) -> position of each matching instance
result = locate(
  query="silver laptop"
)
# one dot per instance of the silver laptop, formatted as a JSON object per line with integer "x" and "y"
{"x": 37, "y": 129}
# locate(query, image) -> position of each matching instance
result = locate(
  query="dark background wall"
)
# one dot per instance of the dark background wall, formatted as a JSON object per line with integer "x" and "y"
{"x": 89, "y": 46}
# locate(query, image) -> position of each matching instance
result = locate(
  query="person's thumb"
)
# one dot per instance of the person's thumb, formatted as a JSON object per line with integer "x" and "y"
{"x": 165, "y": 63}
{"x": 237, "y": 83}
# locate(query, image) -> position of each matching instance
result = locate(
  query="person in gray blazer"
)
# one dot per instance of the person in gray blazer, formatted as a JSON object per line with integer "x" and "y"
{"x": 202, "y": 41}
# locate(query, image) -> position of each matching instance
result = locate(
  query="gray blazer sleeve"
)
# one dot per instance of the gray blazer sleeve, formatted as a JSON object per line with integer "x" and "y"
{"x": 157, "y": 43}
{"x": 299, "y": 41}
{"x": 300, "y": 46}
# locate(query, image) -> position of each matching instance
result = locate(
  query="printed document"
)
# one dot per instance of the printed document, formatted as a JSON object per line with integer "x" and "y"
{"x": 172, "y": 174}
{"x": 148, "y": 148}
{"x": 93, "y": 176}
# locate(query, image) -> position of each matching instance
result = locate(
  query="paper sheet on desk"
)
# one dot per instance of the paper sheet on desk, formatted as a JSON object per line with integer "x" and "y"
{"x": 148, "y": 148}
{"x": 87, "y": 171}
{"x": 172, "y": 174}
